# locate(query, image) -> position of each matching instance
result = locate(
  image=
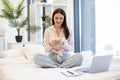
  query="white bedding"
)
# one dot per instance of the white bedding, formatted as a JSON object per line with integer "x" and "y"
{"x": 20, "y": 68}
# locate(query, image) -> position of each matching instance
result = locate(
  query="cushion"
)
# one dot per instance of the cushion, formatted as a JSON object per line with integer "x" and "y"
{"x": 30, "y": 51}
{"x": 11, "y": 53}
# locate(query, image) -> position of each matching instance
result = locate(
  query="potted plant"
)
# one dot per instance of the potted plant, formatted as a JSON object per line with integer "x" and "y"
{"x": 15, "y": 17}
{"x": 47, "y": 22}
{"x": 18, "y": 24}
{"x": 23, "y": 23}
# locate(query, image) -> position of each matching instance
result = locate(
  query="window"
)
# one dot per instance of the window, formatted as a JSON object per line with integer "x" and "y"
{"x": 107, "y": 25}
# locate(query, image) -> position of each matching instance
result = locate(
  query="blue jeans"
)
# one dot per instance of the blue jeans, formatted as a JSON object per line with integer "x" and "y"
{"x": 64, "y": 57}
{"x": 51, "y": 60}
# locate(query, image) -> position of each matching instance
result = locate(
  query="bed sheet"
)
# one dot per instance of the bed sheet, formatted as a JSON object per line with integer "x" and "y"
{"x": 28, "y": 72}
{"x": 21, "y": 69}
{"x": 16, "y": 60}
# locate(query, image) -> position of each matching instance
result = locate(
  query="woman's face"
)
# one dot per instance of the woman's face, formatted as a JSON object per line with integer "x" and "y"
{"x": 58, "y": 19}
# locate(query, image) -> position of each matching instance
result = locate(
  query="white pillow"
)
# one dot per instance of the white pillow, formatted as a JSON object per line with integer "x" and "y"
{"x": 30, "y": 51}
{"x": 11, "y": 53}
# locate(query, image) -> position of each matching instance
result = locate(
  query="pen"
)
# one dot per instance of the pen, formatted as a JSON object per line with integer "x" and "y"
{"x": 70, "y": 72}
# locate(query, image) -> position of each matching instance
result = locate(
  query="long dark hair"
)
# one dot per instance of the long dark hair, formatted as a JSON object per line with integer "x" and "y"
{"x": 64, "y": 24}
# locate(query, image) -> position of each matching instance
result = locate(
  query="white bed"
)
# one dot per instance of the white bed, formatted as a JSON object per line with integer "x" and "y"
{"x": 15, "y": 66}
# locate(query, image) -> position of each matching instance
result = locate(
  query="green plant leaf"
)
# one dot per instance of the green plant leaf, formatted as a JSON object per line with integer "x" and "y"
{"x": 19, "y": 9}
{"x": 33, "y": 28}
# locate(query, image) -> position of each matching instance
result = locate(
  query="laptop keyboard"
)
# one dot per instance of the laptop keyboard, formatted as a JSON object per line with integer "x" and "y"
{"x": 84, "y": 69}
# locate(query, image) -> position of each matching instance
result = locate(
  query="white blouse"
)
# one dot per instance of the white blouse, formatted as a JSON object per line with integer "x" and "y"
{"x": 50, "y": 34}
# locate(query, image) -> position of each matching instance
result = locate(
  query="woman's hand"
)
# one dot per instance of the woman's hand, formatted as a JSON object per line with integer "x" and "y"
{"x": 61, "y": 42}
{"x": 53, "y": 43}
{"x": 56, "y": 42}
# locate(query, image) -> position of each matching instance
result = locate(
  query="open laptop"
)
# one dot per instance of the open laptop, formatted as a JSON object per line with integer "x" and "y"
{"x": 99, "y": 64}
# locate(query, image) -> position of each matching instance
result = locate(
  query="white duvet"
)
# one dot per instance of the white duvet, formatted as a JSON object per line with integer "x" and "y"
{"x": 21, "y": 69}
{"x": 18, "y": 65}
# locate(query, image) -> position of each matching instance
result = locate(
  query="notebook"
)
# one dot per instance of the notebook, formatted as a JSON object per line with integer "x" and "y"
{"x": 99, "y": 64}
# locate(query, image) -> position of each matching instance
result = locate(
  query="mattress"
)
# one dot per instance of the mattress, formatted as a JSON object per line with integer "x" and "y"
{"x": 21, "y": 69}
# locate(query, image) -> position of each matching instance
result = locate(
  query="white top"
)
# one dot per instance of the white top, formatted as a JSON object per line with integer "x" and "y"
{"x": 50, "y": 34}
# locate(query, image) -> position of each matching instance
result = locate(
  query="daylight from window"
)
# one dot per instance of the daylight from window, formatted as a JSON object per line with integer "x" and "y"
{"x": 107, "y": 25}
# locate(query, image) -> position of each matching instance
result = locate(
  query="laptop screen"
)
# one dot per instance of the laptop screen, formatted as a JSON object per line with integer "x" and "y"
{"x": 100, "y": 63}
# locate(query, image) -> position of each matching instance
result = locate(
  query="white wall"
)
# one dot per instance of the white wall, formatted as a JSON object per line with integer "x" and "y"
{"x": 1, "y": 40}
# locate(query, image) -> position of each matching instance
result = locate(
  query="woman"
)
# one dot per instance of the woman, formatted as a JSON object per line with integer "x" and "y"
{"x": 58, "y": 43}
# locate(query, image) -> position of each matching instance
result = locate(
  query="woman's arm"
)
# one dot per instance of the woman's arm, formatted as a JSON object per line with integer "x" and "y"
{"x": 68, "y": 44}
{"x": 47, "y": 47}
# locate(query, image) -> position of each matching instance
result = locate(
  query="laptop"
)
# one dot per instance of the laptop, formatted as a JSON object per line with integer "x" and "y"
{"x": 99, "y": 64}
